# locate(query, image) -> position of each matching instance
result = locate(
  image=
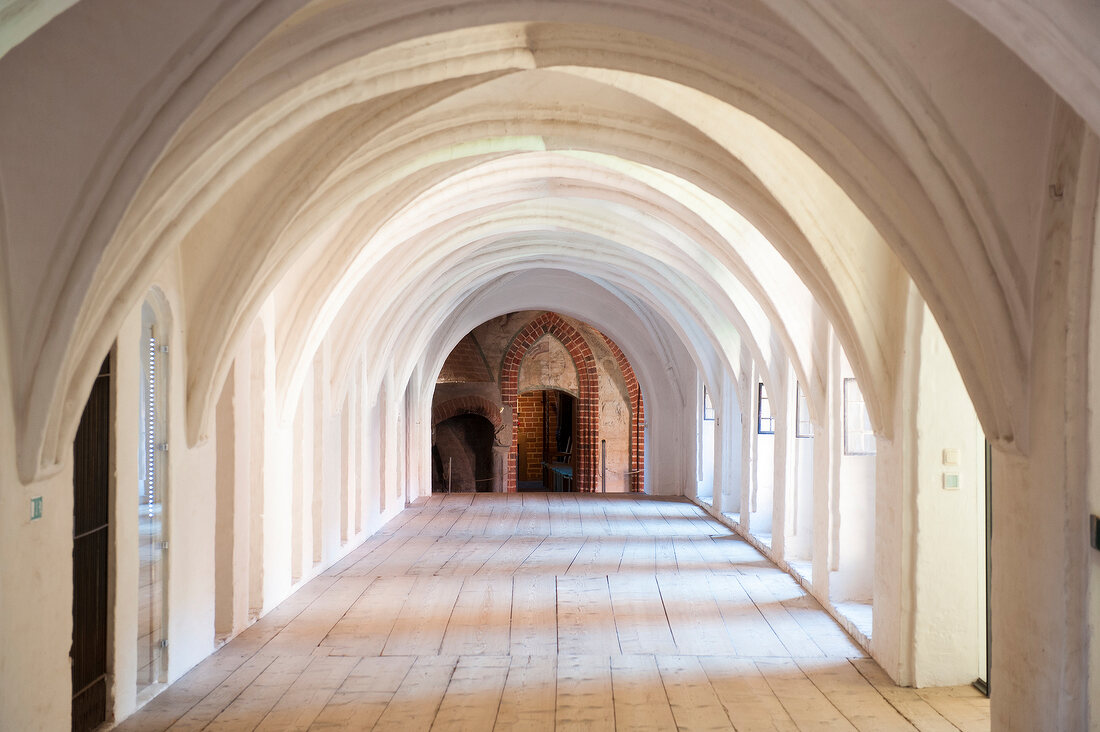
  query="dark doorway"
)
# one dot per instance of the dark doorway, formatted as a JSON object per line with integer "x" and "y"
{"x": 462, "y": 455}
{"x": 91, "y": 474}
{"x": 545, "y": 426}
{"x": 983, "y": 681}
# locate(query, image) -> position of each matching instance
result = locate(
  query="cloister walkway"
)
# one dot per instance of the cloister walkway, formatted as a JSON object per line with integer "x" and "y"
{"x": 550, "y": 611}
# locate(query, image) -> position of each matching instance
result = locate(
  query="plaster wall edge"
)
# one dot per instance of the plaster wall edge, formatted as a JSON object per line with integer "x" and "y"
{"x": 849, "y": 627}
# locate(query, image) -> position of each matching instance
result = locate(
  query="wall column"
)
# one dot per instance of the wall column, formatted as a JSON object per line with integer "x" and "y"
{"x": 1041, "y": 633}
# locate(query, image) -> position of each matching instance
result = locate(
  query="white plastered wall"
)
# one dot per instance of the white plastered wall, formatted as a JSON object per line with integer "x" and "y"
{"x": 799, "y": 516}
{"x": 873, "y": 515}
{"x": 190, "y": 510}
{"x": 950, "y": 557}
{"x": 196, "y": 475}
{"x": 852, "y": 504}
{"x": 35, "y": 588}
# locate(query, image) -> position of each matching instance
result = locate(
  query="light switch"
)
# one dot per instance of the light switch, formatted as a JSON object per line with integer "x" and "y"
{"x": 951, "y": 480}
{"x": 951, "y": 456}
{"x": 36, "y": 508}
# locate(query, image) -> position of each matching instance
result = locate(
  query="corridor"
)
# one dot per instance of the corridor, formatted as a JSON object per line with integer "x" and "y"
{"x": 550, "y": 611}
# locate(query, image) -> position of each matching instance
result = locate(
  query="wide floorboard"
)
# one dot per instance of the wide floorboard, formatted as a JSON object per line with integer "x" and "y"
{"x": 558, "y": 611}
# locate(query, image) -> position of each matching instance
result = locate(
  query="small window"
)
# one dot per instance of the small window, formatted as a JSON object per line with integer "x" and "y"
{"x": 859, "y": 437}
{"x": 765, "y": 422}
{"x": 708, "y": 407}
{"x": 804, "y": 427}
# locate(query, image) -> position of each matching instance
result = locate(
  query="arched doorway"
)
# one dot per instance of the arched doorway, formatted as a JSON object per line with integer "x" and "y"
{"x": 462, "y": 455}
{"x": 585, "y": 429}
{"x": 546, "y": 422}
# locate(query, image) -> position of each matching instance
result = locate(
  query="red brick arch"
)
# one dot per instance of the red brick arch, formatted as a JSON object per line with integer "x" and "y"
{"x": 466, "y": 405}
{"x": 588, "y": 401}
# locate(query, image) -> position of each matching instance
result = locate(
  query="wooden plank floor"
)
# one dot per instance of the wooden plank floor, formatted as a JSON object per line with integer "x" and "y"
{"x": 550, "y": 611}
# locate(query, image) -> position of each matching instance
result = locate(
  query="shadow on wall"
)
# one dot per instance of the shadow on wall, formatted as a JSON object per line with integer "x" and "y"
{"x": 463, "y": 455}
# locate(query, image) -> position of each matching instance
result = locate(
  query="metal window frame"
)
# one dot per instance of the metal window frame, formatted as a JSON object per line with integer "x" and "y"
{"x": 761, "y": 397}
{"x": 708, "y": 405}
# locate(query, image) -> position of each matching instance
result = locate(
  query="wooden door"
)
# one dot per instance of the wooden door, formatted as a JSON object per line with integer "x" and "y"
{"x": 91, "y": 456}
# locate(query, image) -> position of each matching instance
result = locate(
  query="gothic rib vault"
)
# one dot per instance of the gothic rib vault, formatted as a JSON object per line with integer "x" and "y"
{"x": 721, "y": 188}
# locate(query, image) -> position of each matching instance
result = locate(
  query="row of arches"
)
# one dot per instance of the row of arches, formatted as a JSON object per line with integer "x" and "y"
{"x": 848, "y": 304}
{"x": 736, "y": 194}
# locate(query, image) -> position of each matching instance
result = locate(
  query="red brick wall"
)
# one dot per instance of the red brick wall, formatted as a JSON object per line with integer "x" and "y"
{"x": 529, "y": 433}
{"x": 465, "y": 364}
{"x": 525, "y": 454}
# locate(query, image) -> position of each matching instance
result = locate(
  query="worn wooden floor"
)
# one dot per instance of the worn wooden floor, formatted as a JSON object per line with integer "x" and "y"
{"x": 550, "y": 611}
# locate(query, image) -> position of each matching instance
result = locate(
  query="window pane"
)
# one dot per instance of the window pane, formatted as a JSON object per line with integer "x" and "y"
{"x": 805, "y": 427}
{"x": 765, "y": 424}
{"x": 859, "y": 435}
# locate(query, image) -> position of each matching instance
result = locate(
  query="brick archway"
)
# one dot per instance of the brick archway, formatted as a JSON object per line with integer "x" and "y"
{"x": 637, "y": 417}
{"x": 466, "y": 405}
{"x": 588, "y": 404}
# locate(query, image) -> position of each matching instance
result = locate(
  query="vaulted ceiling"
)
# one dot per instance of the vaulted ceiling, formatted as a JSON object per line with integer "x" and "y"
{"x": 693, "y": 176}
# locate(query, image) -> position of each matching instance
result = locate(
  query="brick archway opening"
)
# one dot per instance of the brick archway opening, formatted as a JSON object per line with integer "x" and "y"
{"x": 464, "y": 430}
{"x": 467, "y": 405}
{"x": 587, "y": 414}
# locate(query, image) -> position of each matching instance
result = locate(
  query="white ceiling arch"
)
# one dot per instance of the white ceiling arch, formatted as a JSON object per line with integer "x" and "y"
{"x": 806, "y": 72}
{"x": 1052, "y": 36}
{"x": 700, "y": 322}
{"x": 845, "y": 291}
{"x": 507, "y": 208}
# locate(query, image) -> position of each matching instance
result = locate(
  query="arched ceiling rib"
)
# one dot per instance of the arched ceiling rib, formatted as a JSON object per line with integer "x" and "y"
{"x": 646, "y": 338}
{"x": 346, "y": 92}
{"x": 885, "y": 186}
{"x": 699, "y": 316}
{"x": 858, "y": 300}
{"x": 1054, "y": 38}
{"x": 568, "y": 199}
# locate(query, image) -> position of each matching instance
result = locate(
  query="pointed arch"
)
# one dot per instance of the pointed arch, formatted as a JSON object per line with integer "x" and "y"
{"x": 588, "y": 406}
{"x": 466, "y": 405}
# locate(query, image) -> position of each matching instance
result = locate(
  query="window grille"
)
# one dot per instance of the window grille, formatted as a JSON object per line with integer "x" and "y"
{"x": 151, "y": 635}
{"x": 151, "y": 493}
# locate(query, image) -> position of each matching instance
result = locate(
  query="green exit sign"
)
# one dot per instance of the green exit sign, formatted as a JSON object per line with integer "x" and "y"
{"x": 36, "y": 508}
